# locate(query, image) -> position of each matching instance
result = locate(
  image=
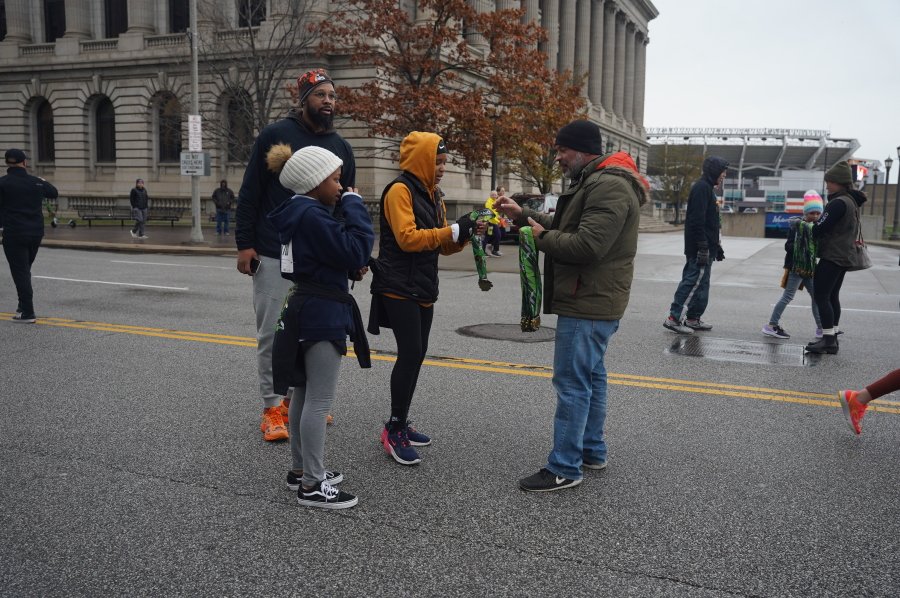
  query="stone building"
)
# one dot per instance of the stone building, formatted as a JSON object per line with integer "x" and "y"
{"x": 97, "y": 91}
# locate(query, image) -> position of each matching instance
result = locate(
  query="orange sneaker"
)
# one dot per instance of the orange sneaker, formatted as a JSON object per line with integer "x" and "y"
{"x": 283, "y": 409}
{"x": 329, "y": 419}
{"x": 272, "y": 425}
{"x": 853, "y": 409}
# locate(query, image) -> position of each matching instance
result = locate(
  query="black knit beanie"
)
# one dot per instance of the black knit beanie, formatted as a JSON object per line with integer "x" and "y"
{"x": 581, "y": 136}
{"x": 840, "y": 173}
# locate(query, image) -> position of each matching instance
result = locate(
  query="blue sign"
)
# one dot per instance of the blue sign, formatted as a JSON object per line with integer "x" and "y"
{"x": 779, "y": 219}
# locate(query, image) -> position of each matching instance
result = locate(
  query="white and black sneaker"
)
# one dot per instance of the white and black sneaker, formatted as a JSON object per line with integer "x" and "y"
{"x": 546, "y": 481}
{"x": 325, "y": 496}
{"x": 676, "y": 326}
{"x": 332, "y": 477}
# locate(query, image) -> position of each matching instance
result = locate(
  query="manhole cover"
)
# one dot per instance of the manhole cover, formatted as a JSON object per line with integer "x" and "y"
{"x": 508, "y": 332}
{"x": 724, "y": 349}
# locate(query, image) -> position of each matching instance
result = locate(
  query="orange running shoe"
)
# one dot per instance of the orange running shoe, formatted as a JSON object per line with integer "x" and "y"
{"x": 283, "y": 409}
{"x": 329, "y": 419}
{"x": 272, "y": 425}
{"x": 853, "y": 409}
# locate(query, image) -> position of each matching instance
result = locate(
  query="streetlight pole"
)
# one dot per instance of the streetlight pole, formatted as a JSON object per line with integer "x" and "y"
{"x": 196, "y": 231}
{"x": 895, "y": 233}
{"x": 874, "y": 192}
{"x": 888, "y": 162}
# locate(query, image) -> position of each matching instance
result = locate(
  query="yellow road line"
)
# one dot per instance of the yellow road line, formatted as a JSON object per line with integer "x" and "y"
{"x": 498, "y": 367}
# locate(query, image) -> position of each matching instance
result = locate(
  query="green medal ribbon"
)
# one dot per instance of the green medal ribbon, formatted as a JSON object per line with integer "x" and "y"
{"x": 530, "y": 277}
{"x": 805, "y": 250}
{"x": 477, "y": 242}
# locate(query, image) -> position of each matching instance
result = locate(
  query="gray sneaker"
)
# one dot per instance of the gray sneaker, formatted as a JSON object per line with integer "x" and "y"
{"x": 697, "y": 324}
{"x": 676, "y": 326}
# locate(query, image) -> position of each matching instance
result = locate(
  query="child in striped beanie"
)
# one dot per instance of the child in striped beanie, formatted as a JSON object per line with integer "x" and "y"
{"x": 799, "y": 265}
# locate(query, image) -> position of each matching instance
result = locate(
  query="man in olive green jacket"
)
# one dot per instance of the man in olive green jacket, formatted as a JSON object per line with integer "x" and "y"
{"x": 590, "y": 243}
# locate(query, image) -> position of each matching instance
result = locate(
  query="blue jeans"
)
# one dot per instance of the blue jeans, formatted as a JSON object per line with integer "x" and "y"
{"x": 222, "y": 223}
{"x": 790, "y": 289}
{"x": 579, "y": 378}
{"x": 692, "y": 294}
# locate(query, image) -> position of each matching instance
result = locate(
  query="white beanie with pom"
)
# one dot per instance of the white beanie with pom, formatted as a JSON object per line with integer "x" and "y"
{"x": 308, "y": 167}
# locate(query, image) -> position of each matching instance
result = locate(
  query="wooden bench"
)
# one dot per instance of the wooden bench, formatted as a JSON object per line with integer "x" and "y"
{"x": 89, "y": 209}
{"x": 99, "y": 208}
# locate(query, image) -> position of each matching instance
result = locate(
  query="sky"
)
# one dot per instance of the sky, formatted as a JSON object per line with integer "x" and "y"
{"x": 788, "y": 64}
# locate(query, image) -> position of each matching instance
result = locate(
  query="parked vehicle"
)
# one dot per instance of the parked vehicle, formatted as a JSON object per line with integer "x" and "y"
{"x": 540, "y": 203}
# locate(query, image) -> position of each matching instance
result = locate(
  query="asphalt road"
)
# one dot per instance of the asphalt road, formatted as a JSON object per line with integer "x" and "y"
{"x": 132, "y": 462}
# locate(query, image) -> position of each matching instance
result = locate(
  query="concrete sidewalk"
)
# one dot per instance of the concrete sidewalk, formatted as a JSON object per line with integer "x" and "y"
{"x": 177, "y": 240}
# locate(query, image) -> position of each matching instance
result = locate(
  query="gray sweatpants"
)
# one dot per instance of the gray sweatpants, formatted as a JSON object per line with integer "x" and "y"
{"x": 309, "y": 407}
{"x": 269, "y": 291}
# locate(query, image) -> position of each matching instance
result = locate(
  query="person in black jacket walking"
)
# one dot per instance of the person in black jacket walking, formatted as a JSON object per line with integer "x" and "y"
{"x": 140, "y": 208}
{"x": 259, "y": 251}
{"x": 21, "y": 202}
{"x": 702, "y": 241}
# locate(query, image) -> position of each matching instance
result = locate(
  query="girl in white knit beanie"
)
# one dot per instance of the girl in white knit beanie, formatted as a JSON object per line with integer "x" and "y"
{"x": 326, "y": 236}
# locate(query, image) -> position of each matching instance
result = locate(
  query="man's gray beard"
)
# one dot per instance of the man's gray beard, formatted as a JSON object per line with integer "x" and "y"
{"x": 324, "y": 121}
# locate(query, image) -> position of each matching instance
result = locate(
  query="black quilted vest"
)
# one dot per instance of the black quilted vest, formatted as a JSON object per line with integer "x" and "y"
{"x": 410, "y": 275}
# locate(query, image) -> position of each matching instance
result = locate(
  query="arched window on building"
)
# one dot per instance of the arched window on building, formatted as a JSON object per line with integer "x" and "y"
{"x": 179, "y": 16}
{"x": 239, "y": 127}
{"x": 2, "y": 20}
{"x": 105, "y": 131}
{"x": 54, "y": 20}
{"x": 115, "y": 14}
{"x": 251, "y": 12}
{"x": 168, "y": 128}
{"x": 46, "y": 147}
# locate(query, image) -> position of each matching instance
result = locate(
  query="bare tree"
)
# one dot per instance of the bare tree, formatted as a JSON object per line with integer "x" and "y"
{"x": 674, "y": 171}
{"x": 250, "y": 58}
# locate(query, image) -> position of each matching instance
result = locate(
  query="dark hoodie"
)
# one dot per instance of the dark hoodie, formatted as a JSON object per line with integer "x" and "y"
{"x": 261, "y": 192}
{"x": 701, "y": 223}
{"x": 324, "y": 250}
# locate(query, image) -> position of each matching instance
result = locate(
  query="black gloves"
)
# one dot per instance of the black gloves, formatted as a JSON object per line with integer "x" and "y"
{"x": 466, "y": 227}
{"x": 703, "y": 256}
{"x": 720, "y": 255}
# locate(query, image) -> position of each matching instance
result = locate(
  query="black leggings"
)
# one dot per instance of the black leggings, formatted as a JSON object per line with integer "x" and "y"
{"x": 411, "y": 324}
{"x": 827, "y": 282}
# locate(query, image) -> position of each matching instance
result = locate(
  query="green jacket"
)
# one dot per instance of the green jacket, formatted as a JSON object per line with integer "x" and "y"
{"x": 591, "y": 241}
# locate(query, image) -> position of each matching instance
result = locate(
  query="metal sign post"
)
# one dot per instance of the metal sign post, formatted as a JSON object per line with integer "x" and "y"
{"x": 195, "y": 136}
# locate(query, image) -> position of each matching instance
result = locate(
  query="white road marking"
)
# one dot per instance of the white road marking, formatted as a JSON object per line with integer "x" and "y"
{"x": 843, "y": 309}
{"x": 175, "y": 265}
{"x": 124, "y": 284}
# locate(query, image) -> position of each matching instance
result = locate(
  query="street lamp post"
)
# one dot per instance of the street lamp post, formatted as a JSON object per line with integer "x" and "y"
{"x": 895, "y": 233}
{"x": 874, "y": 192}
{"x": 888, "y": 162}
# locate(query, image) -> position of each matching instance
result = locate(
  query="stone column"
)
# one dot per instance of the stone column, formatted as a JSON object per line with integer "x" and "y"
{"x": 140, "y": 16}
{"x": 640, "y": 76}
{"x": 628, "y": 108}
{"x": 475, "y": 38}
{"x": 595, "y": 62}
{"x": 609, "y": 55}
{"x": 532, "y": 10}
{"x": 550, "y": 22}
{"x": 583, "y": 41}
{"x": 619, "y": 91}
{"x": 567, "y": 36}
{"x": 18, "y": 22}
{"x": 506, "y": 4}
{"x": 78, "y": 19}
